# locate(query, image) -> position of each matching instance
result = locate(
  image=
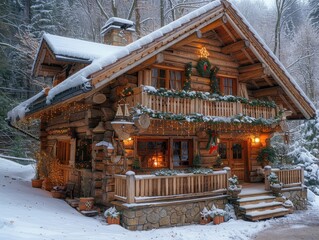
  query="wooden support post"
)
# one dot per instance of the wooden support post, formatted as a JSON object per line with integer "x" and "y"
{"x": 267, "y": 171}
{"x": 130, "y": 186}
{"x": 302, "y": 175}
{"x": 227, "y": 169}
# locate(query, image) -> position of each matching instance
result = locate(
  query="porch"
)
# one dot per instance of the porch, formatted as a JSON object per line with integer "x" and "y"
{"x": 150, "y": 201}
{"x": 132, "y": 188}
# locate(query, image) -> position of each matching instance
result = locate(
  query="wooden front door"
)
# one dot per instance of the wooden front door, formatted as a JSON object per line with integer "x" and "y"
{"x": 234, "y": 154}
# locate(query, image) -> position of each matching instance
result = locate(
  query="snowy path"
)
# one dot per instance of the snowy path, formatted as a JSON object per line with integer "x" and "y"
{"x": 28, "y": 213}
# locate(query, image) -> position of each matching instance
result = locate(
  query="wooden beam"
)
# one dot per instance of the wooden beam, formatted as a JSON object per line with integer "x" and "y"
{"x": 51, "y": 68}
{"x": 287, "y": 103}
{"x": 251, "y": 60}
{"x": 268, "y": 80}
{"x": 229, "y": 33}
{"x": 249, "y": 68}
{"x": 235, "y": 47}
{"x": 271, "y": 91}
{"x": 258, "y": 73}
{"x": 145, "y": 64}
{"x": 219, "y": 22}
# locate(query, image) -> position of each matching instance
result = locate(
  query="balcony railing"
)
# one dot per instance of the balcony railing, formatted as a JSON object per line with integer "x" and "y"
{"x": 133, "y": 188}
{"x": 288, "y": 177}
{"x": 188, "y": 106}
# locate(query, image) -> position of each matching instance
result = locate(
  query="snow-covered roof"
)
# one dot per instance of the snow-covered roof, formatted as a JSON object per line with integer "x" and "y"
{"x": 76, "y": 48}
{"x": 108, "y": 58}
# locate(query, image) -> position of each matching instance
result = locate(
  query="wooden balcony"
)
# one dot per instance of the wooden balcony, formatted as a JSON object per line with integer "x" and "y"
{"x": 131, "y": 188}
{"x": 188, "y": 106}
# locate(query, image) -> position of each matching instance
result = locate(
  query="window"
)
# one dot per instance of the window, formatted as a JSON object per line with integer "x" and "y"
{"x": 227, "y": 86}
{"x": 170, "y": 79}
{"x": 63, "y": 151}
{"x": 153, "y": 153}
{"x": 182, "y": 154}
{"x": 222, "y": 150}
{"x": 83, "y": 153}
{"x": 237, "y": 151}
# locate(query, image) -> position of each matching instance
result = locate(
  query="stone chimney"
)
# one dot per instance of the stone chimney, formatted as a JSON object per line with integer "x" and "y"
{"x": 118, "y": 31}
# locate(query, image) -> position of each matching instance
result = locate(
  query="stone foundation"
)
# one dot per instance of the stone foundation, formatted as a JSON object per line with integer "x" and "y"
{"x": 167, "y": 214}
{"x": 298, "y": 196}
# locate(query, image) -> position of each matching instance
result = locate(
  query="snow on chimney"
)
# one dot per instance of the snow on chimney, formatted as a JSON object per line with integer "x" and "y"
{"x": 118, "y": 31}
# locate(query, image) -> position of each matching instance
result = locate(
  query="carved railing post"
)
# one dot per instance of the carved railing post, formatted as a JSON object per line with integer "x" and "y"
{"x": 228, "y": 175}
{"x": 267, "y": 171}
{"x": 130, "y": 187}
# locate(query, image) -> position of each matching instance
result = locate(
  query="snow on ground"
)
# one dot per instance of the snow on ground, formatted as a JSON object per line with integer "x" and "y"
{"x": 29, "y": 213}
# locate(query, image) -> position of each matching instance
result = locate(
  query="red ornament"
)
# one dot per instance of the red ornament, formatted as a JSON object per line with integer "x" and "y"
{"x": 205, "y": 66}
{"x": 213, "y": 148}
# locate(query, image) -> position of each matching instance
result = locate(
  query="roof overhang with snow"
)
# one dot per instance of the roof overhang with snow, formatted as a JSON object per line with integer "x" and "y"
{"x": 238, "y": 39}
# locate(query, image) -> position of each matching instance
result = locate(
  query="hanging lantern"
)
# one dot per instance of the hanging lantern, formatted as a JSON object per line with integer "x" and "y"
{"x": 122, "y": 126}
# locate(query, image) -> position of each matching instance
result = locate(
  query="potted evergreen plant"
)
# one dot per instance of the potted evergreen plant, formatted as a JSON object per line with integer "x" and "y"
{"x": 267, "y": 155}
{"x": 234, "y": 188}
{"x": 217, "y": 215}
{"x": 275, "y": 184}
{"x": 86, "y": 201}
{"x": 112, "y": 216}
{"x": 204, "y": 216}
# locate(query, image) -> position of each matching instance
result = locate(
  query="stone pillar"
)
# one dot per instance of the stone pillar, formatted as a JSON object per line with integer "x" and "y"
{"x": 130, "y": 186}
{"x": 267, "y": 171}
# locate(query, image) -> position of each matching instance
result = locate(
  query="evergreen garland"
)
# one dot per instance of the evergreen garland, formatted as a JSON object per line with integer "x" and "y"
{"x": 214, "y": 86}
{"x": 203, "y": 67}
{"x": 188, "y": 74}
{"x": 207, "y": 96}
{"x": 237, "y": 119}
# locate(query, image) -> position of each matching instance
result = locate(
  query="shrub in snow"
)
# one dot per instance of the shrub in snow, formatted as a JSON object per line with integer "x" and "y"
{"x": 205, "y": 213}
{"x": 112, "y": 212}
{"x": 230, "y": 212}
{"x": 165, "y": 172}
{"x": 217, "y": 211}
{"x": 273, "y": 179}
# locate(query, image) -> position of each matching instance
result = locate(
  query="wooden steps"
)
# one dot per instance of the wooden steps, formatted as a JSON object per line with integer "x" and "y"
{"x": 260, "y": 206}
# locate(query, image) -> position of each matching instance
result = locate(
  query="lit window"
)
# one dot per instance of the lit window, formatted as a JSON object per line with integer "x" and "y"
{"x": 153, "y": 153}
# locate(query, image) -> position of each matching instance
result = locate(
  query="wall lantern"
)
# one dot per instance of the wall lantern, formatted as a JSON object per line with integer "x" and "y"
{"x": 256, "y": 139}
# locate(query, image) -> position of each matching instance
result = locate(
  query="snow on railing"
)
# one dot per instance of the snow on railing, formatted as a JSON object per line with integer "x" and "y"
{"x": 288, "y": 177}
{"x": 133, "y": 188}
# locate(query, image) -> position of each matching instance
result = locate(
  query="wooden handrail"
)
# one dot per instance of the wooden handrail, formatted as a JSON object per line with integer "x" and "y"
{"x": 189, "y": 106}
{"x": 288, "y": 177}
{"x": 133, "y": 188}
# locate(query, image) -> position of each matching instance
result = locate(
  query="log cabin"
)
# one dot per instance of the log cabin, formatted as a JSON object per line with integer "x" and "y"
{"x": 203, "y": 91}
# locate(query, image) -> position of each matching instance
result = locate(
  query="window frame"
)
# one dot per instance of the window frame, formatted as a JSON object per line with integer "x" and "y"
{"x": 221, "y": 81}
{"x": 167, "y": 79}
{"x": 170, "y": 141}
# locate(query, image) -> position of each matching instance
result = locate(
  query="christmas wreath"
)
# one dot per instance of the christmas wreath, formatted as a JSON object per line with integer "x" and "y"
{"x": 203, "y": 67}
{"x": 212, "y": 144}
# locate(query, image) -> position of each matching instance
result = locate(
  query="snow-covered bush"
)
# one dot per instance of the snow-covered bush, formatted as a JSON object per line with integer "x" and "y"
{"x": 111, "y": 212}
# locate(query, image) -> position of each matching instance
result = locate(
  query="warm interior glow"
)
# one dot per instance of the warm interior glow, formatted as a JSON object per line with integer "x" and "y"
{"x": 129, "y": 139}
{"x": 257, "y": 140}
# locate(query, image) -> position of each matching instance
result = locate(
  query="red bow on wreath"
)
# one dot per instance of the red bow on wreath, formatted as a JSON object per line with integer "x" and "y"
{"x": 212, "y": 144}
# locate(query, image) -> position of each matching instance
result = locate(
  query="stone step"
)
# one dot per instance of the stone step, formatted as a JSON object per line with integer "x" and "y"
{"x": 261, "y": 206}
{"x": 260, "y": 215}
{"x": 254, "y": 194}
{"x": 255, "y": 200}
